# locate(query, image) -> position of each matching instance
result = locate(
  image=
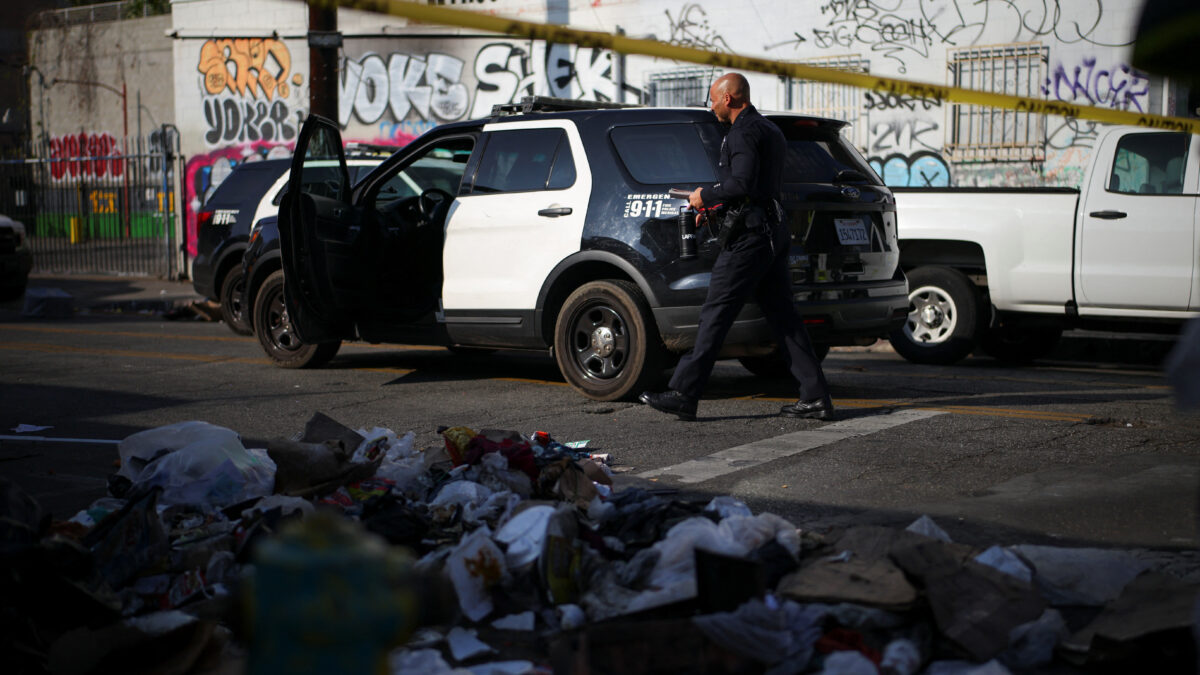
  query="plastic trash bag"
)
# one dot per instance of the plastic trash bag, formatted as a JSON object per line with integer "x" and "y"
{"x": 475, "y": 567}
{"x": 524, "y": 535}
{"x": 196, "y": 463}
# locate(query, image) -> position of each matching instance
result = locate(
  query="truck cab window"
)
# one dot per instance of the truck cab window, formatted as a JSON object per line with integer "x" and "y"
{"x": 1149, "y": 164}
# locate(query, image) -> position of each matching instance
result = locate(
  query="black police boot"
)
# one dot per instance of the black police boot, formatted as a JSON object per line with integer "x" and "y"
{"x": 671, "y": 402}
{"x": 818, "y": 408}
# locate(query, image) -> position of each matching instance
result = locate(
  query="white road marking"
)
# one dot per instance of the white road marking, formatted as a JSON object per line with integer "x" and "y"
{"x": 770, "y": 449}
{"x": 46, "y": 439}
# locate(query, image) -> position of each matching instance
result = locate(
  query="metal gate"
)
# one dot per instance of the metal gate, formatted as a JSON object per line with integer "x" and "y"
{"x": 94, "y": 205}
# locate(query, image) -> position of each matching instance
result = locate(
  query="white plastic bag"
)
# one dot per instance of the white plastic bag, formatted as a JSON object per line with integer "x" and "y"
{"x": 196, "y": 463}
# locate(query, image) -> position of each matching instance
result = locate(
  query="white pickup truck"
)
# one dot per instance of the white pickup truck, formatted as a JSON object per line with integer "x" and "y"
{"x": 1008, "y": 269}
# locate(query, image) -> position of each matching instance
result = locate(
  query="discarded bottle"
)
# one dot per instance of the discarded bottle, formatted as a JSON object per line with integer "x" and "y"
{"x": 328, "y": 597}
{"x": 687, "y": 233}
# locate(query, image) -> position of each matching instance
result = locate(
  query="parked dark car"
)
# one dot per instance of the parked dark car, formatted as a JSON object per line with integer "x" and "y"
{"x": 558, "y": 232}
{"x": 222, "y": 230}
{"x": 249, "y": 194}
{"x": 16, "y": 258}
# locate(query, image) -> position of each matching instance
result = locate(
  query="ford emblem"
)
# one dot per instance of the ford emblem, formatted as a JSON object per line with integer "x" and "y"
{"x": 850, "y": 192}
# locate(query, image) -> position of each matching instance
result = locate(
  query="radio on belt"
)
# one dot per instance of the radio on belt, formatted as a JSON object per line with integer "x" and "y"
{"x": 687, "y": 226}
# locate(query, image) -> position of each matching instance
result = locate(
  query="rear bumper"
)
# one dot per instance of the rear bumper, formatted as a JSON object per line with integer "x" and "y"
{"x": 834, "y": 315}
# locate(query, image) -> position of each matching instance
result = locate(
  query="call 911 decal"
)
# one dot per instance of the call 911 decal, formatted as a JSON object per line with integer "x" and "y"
{"x": 651, "y": 206}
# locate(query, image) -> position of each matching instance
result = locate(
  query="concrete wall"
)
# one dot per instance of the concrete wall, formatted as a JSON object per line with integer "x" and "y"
{"x": 81, "y": 70}
{"x": 241, "y": 74}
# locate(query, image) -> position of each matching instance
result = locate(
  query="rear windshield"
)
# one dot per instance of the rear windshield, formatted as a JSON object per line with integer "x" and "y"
{"x": 668, "y": 153}
{"x": 246, "y": 185}
{"x": 817, "y": 154}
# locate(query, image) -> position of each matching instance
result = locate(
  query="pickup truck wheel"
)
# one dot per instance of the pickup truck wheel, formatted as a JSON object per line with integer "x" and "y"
{"x": 232, "y": 312}
{"x": 605, "y": 341}
{"x": 774, "y": 365}
{"x": 275, "y": 333}
{"x": 944, "y": 317}
{"x": 1020, "y": 344}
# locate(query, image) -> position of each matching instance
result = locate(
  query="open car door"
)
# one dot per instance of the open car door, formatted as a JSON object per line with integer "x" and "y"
{"x": 317, "y": 236}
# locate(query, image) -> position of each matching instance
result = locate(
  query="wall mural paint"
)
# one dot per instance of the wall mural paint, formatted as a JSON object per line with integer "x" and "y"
{"x": 75, "y": 146}
{"x": 402, "y": 94}
{"x": 1120, "y": 87}
{"x": 905, "y": 138}
{"x": 203, "y": 174}
{"x": 244, "y": 92}
{"x": 920, "y": 169}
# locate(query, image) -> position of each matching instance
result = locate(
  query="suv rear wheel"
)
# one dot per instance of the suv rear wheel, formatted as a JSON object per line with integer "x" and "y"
{"x": 275, "y": 333}
{"x": 606, "y": 342}
{"x": 232, "y": 312}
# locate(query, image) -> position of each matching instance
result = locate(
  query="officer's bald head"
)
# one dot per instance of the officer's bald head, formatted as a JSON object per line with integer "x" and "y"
{"x": 729, "y": 94}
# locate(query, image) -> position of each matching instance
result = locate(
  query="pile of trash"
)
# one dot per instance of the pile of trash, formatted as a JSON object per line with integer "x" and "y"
{"x": 497, "y": 552}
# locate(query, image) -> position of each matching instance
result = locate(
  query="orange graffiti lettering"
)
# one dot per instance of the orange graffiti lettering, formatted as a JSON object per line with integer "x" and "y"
{"x": 246, "y": 67}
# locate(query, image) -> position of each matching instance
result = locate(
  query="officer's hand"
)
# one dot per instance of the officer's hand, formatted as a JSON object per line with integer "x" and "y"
{"x": 694, "y": 199}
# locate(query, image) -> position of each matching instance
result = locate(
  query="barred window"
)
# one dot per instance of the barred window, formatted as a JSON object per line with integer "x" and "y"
{"x": 828, "y": 99}
{"x": 683, "y": 87}
{"x": 996, "y": 134}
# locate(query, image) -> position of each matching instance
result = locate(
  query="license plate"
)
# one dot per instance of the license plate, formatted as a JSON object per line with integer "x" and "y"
{"x": 851, "y": 231}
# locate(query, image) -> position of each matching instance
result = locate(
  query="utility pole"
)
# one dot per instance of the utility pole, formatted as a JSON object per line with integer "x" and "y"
{"x": 324, "y": 40}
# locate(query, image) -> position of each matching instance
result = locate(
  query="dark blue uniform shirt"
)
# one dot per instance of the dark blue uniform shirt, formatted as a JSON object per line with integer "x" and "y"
{"x": 751, "y": 162}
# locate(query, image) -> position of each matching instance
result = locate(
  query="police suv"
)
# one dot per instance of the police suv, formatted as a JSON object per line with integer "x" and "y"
{"x": 557, "y": 230}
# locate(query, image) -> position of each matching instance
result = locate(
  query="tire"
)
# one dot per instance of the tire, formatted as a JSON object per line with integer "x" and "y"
{"x": 274, "y": 331}
{"x": 945, "y": 318}
{"x": 606, "y": 343}
{"x": 774, "y": 365}
{"x": 232, "y": 312}
{"x": 1020, "y": 344}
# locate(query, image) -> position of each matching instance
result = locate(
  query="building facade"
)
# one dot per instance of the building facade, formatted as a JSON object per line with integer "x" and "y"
{"x": 237, "y": 87}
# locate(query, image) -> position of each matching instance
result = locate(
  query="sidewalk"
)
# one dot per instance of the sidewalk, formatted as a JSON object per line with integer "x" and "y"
{"x": 115, "y": 294}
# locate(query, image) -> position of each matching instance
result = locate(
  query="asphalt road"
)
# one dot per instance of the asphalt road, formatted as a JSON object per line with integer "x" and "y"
{"x": 1074, "y": 453}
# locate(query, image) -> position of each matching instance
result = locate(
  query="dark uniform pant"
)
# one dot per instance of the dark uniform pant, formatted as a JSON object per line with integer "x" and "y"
{"x": 754, "y": 264}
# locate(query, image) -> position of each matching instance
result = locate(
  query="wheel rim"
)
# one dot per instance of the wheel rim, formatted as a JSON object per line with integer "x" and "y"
{"x": 599, "y": 341}
{"x": 279, "y": 328}
{"x": 234, "y": 297}
{"x": 932, "y": 316}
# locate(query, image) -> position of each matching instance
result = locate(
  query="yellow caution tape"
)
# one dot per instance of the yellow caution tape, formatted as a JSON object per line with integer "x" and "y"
{"x": 626, "y": 45}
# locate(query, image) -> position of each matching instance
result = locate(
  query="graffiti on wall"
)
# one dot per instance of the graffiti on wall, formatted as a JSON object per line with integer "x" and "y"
{"x": 430, "y": 87}
{"x": 964, "y": 22}
{"x": 876, "y": 25}
{"x": 203, "y": 174}
{"x": 407, "y": 94}
{"x": 245, "y": 86}
{"x": 102, "y": 150}
{"x": 690, "y": 27}
{"x": 1120, "y": 87}
{"x": 919, "y": 169}
{"x": 899, "y": 30}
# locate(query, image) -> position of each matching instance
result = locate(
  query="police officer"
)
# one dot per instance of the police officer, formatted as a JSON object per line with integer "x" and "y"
{"x": 753, "y": 261}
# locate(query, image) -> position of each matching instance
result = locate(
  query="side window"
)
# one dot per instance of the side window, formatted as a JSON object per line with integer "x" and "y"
{"x": 664, "y": 153}
{"x": 522, "y": 160}
{"x": 1149, "y": 164}
{"x": 439, "y": 166}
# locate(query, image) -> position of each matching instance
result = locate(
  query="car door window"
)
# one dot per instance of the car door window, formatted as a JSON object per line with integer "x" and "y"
{"x": 522, "y": 160}
{"x": 1149, "y": 164}
{"x": 439, "y": 166}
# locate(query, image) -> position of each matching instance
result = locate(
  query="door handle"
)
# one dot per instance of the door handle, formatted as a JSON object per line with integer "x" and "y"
{"x": 555, "y": 211}
{"x": 1107, "y": 215}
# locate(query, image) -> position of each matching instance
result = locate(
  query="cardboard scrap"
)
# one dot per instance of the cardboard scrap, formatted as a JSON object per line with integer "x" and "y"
{"x": 975, "y": 606}
{"x": 873, "y": 582}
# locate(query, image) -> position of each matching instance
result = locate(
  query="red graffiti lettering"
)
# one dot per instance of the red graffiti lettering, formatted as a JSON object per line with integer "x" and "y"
{"x": 94, "y": 155}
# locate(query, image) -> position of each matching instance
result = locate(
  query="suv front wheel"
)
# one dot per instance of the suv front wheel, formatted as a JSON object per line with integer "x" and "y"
{"x": 605, "y": 341}
{"x": 275, "y": 332}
